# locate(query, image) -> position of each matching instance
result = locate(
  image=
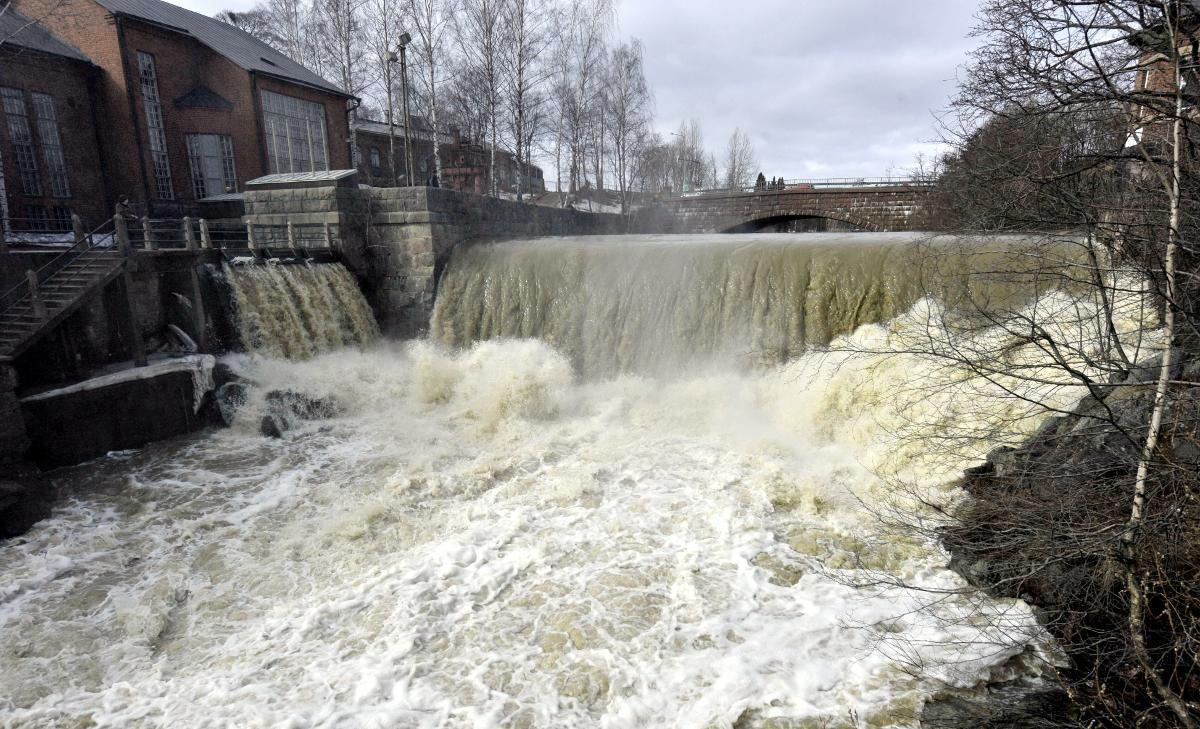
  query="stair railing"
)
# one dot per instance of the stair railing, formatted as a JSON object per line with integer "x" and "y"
{"x": 101, "y": 237}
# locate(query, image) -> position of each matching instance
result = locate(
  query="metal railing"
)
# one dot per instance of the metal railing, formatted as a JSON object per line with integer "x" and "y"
{"x": 85, "y": 241}
{"x": 814, "y": 183}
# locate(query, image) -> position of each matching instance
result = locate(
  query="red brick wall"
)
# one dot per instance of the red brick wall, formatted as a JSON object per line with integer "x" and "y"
{"x": 181, "y": 64}
{"x": 67, "y": 82}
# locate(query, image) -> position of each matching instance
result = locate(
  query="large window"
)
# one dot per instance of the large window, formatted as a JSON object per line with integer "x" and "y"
{"x": 155, "y": 127}
{"x": 52, "y": 150}
{"x": 21, "y": 137}
{"x": 211, "y": 156}
{"x": 295, "y": 131}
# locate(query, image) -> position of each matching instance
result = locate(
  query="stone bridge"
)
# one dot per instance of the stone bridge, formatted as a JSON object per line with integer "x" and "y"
{"x": 888, "y": 204}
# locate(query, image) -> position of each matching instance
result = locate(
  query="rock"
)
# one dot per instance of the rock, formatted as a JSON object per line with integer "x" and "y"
{"x": 223, "y": 374}
{"x": 230, "y": 397}
{"x": 24, "y": 501}
{"x": 302, "y": 406}
{"x": 271, "y": 427}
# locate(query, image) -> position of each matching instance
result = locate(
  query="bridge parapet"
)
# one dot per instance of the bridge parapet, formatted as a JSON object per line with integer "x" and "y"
{"x": 881, "y": 204}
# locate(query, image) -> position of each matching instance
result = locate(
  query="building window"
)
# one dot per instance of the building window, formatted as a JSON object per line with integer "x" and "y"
{"x": 52, "y": 149}
{"x": 37, "y": 218}
{"x": 295, "y": 131}
{"x": 375, "y": 161}
{"x": 22, "y": 140}
{"x": 62, "y": 218}
{"x": 211, "y": 156}
{"x": 154, "y": 124}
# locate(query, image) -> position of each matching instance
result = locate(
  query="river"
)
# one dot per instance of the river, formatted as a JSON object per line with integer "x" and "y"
{"x": 488, "y": 534}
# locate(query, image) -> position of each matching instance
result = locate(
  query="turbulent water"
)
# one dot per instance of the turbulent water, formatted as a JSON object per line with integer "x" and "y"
{"x": 656, "y": 303}
{"x": 296, "y": 311}
{"x": 486, "y": 537}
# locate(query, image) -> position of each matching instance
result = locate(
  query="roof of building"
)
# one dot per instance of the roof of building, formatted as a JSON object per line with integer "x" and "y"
{"x": 18, "y": 30}
{"x": 421, "y": 129}
{"x": 234, "y": 43}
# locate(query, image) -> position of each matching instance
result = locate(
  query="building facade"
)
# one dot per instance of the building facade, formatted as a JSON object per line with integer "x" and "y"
{"x": 193, "y": 107}
{"x": 49, "y": 143}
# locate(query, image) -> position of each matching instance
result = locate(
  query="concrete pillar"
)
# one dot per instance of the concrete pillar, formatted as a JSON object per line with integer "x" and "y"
{"x": 35, "y": 296}
{"x": 148, "y": 234}
{"x": 77, "y": 228}
{"x": 189, "y": 234}
{"x": 13, "y": 439}
{"x": 205, "y": 236}
{"x": 135, "y": 331}
{"x": 199, "y": 322}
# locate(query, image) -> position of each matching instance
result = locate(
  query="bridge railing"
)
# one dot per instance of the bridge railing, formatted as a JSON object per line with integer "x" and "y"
{"x": 813, "y": 183}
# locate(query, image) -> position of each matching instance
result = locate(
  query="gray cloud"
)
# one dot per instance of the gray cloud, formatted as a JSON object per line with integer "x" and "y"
{"x": 823, "y": 87}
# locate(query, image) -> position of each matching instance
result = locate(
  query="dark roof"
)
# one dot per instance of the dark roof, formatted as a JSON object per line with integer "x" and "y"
{"x": 235, "y": 44}
{"x": 18, "y": 30}
{"x": 203, "y": 97}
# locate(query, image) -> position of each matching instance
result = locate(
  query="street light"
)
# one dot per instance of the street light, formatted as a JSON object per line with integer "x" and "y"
{"x": 402, "y": 43}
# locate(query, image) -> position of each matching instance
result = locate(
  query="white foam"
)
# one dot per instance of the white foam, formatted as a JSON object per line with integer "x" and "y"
{"x": 480, "y": 540}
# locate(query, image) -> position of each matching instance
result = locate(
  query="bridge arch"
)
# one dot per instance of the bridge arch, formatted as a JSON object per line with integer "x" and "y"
{"x": 754, "y": 224}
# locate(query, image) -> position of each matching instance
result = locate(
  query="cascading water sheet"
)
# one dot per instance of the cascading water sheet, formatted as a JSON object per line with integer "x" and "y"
{"x": 659, "y": 303}
{"x": 296, "y": 311}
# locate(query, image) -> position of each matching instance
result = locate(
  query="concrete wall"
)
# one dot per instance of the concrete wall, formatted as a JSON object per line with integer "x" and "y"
{"x": 397, "y": 240}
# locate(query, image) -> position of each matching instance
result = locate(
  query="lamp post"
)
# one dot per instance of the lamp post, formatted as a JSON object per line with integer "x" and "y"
{"x": 401, "y": 44}
{"x": 387, "y": 71}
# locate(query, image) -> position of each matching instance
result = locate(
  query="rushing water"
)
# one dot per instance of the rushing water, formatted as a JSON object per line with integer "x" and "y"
{"x": 296, "y": 311}
{"x": 484, "y": 536}
{"x": 659, "y": 303}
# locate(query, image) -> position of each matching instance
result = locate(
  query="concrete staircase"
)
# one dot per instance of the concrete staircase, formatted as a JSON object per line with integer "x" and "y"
{"x": 70, "y": 284}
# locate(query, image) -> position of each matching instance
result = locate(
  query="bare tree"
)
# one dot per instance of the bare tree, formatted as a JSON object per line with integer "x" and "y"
{"x": 1081, "y": 115}
{"x": 431, "y": 19}
{"x": 581, "y": 31}
{"x": 740, "y": 163}
{"x": 629, "y": 112}
{"x": 257, "y": 22}
{"x": 479, "y": 25}
{"x": 382, "y": 20}
{"x": 526, "y": 32}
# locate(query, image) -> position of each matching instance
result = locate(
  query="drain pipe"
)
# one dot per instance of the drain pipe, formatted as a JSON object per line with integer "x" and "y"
{"x": 352, "y": 105}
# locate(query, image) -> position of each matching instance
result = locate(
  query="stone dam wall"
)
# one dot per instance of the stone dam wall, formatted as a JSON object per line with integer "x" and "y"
{"x": 398, "y": 240}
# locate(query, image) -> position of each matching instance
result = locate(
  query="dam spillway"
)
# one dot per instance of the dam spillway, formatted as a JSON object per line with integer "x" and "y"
{"x": 539, "y": 516}
{"x": 297, "y": 311}
{"x": 656, "y": 303}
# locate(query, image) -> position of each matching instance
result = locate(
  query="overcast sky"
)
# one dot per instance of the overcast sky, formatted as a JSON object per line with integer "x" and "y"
{"x": 825, "y": 88}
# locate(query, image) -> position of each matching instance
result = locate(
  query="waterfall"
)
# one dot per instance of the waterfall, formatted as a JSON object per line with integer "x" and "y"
{"x": 296, "y": 312}
{"x": 655, "y": 303}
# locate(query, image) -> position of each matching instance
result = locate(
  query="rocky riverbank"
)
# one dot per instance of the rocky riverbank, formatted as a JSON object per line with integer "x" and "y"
{"x": 1045, "y": 524}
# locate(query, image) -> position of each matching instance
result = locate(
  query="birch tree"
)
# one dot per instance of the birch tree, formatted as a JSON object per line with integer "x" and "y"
{"x": 630, "y": 110}
{"x": 526, "y": 25}
{"x": 480, "y": 26}
{"x": 1082, "y": 115}
{"x": 740, "y": 163}
{"x": 431, "y": 20}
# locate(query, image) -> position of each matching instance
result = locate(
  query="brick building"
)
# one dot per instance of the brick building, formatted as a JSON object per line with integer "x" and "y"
{"x": 464, "y": 163}
{"x": 49, "y": 145}
{"x": 465, "y": 168}
{"x": 374, "y": 144}
{"x": 193, "y": 107}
